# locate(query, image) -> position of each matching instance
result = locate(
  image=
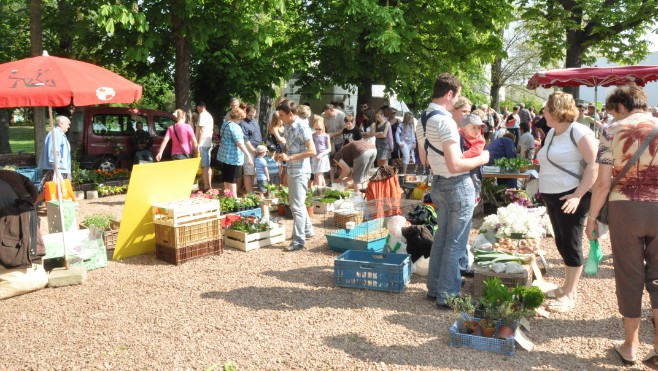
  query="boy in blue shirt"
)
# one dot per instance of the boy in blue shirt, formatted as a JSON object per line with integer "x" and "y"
{"x": 262, "y": 173}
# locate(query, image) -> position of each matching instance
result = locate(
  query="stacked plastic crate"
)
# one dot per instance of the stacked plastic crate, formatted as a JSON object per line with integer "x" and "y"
{"x": 187, "y": 229}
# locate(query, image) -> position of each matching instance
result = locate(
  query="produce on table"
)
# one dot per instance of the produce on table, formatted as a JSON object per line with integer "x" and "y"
{"x": 524, "y": 246}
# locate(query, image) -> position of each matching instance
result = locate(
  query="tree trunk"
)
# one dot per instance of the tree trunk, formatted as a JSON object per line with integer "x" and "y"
{"x": 496, "y": 67}
{"x": 36, "y": 41}
{"x": 5, "y": 116}
{"x": 574, "y": 59}
{"x": 65, "y": 41}
{"x": 182, "y": 64}
{"x": 365, "y": 92}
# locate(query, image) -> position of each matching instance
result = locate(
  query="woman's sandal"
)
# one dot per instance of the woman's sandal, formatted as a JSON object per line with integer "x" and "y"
{"x": 651, "y": 360}
{"x": 625, "y": 361}
{"x": 561, "y": 305}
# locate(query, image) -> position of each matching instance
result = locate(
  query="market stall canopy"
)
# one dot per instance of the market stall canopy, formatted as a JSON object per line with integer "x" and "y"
{"x": 594, "y": 76}
{"x": 57, "y": 82}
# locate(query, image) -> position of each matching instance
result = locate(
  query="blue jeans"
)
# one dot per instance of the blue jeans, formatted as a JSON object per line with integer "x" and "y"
{"x": 297, "y": 187}
{"x": 454, "y": 199}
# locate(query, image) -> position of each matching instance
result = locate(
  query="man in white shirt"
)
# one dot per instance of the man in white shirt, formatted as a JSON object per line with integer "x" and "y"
{"x": 453, "y": 193}
{"x": 334, "y": 120}
{"x": 204, "y": 138}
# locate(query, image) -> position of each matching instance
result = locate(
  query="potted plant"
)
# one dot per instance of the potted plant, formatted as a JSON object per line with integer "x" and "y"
{"x": 109, "y": 229}
{"x": 512, "y": 165}
{"x": 282, "y": 196}
{"x": 271, "y": 191}
{"x": 495, "y": 296}
{"x": 307, "y": 202}
{"x": 464, "y": 308}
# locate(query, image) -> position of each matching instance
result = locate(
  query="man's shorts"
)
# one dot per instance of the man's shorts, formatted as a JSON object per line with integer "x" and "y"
{"x": 248, "y": 169}
{"x": 204, "y": 152}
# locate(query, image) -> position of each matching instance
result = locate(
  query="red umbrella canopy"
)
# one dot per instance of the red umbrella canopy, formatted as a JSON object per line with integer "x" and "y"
{"x": 594, "y": 76}
{"x": 57, "y": 82}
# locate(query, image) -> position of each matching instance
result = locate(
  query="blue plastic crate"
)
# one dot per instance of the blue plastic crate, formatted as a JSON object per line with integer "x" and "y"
{"x": 479, "y": 342}
{"x": 257, "y": 212}
{"x": 372, "y": 270}
{"x": 32, "y": 173}
{"x": 345, "y": 239}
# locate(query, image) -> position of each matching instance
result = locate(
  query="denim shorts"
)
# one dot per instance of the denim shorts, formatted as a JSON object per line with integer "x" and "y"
{"x": 204, "y": 152}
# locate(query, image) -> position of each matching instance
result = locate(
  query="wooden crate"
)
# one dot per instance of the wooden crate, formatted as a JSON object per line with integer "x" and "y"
{"x": 323, "y": 207}
{"x": 181, "y": 255}
{"x": 187, "y": 234}
{"x": 109, "y": 236}
{"x": 185, "y": 211}
{"x": 509, "y": 280}
{"x": 247, "y": 242}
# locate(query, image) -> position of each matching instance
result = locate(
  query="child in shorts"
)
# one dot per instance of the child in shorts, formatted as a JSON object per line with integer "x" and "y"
{"x": 262, "y": 173}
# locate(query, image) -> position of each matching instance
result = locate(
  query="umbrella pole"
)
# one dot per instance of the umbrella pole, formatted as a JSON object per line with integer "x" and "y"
{"x": 56, "y": 178}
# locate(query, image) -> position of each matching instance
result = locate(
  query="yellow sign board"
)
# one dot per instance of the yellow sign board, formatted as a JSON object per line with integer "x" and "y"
{"x": 151, "y": 184}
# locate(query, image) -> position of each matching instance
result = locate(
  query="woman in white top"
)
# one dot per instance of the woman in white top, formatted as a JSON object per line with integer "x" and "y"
{"x": 568, "y": 171}
{"x": 368, "y": 126}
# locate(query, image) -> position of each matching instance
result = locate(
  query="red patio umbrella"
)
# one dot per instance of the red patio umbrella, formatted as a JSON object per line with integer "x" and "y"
{"x": 594, "y": 77}
{"x": 56, "y": 82}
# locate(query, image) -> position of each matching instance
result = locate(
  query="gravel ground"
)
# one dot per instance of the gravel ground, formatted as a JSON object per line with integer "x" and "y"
{"x": 270, "y": 309}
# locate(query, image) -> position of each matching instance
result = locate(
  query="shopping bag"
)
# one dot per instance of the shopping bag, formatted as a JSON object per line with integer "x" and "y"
{"x": 594, "y": 258}
{"x": 67, "y": 190}
{"x": 419, "y": 191}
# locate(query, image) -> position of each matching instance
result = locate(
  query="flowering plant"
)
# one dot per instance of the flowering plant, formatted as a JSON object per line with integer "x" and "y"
{"x": 249, "y": 225}
{"x": 517, "y": 196}
{"x": 516, "y": 220}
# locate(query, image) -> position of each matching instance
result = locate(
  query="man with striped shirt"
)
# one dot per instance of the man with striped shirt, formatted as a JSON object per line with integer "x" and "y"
{"x": 453, "y": 193}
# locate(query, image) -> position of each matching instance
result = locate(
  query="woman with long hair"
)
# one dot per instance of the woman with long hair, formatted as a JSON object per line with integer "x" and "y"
{"x": 406, "y": 138}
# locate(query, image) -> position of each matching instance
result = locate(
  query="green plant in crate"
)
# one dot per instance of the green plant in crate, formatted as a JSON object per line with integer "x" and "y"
{"x": 227, "y": 204}
{"x": 464, "y": 308}
{"x": 100, "y": 221}
{"x": 282, "y": 195}
{"x": 511, "y": 165}
{"x": 249, "y": 225}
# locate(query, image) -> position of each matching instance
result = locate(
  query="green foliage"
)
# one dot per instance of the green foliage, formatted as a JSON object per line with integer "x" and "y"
{"x": 531, "y": 298}
{"x": 494, "y": 293}
{"x": 282, "y": 195}
{"x": 249, "y": 226}
{"x": 101, "y": 221}
{"x": 461, "y": 304}
{"x": 515, "y": 163}
{"x": 227, "y": 203}
{"x": 580, "y": 30}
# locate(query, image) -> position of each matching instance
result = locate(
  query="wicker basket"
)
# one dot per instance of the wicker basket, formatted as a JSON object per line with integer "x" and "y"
{"x": 342, "y": 217}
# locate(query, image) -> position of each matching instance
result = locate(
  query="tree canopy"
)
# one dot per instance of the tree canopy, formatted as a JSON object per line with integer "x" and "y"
{"x": 576, "y": 31}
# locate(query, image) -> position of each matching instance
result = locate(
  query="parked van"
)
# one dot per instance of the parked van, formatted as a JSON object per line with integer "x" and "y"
{"x": 102, "y": 135}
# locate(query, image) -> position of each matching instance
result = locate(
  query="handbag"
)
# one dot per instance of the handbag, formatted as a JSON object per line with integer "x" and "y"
{"x": 603, "y": 213}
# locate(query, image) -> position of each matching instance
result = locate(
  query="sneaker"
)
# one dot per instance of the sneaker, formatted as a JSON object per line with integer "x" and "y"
{"x": 293, "y": 247}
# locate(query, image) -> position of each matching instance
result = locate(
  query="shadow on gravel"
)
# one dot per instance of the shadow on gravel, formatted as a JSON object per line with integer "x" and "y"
{"x": 436, "y": 352}
{"x": 310, "y": 276}
{"x": 291, "y": 298}
{"x": 106, "y": 202}
{"x": 145, "y": 259}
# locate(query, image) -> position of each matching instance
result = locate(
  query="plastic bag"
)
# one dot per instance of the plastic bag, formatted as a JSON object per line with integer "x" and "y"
{"x": 594, "y": 258}
{"x": 65, "y": 185}
{"x": 419, "y": 191}
{"x": 482, "y": 243}
{"x": 395, "y": 242}
{"x": 422, "y": 266}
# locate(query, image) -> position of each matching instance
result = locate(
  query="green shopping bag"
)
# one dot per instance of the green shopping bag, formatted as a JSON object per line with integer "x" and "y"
{"x": 594, "y": 258}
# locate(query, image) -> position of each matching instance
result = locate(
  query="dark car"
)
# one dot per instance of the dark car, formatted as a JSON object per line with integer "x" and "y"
{"x": 102, "y": 135}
